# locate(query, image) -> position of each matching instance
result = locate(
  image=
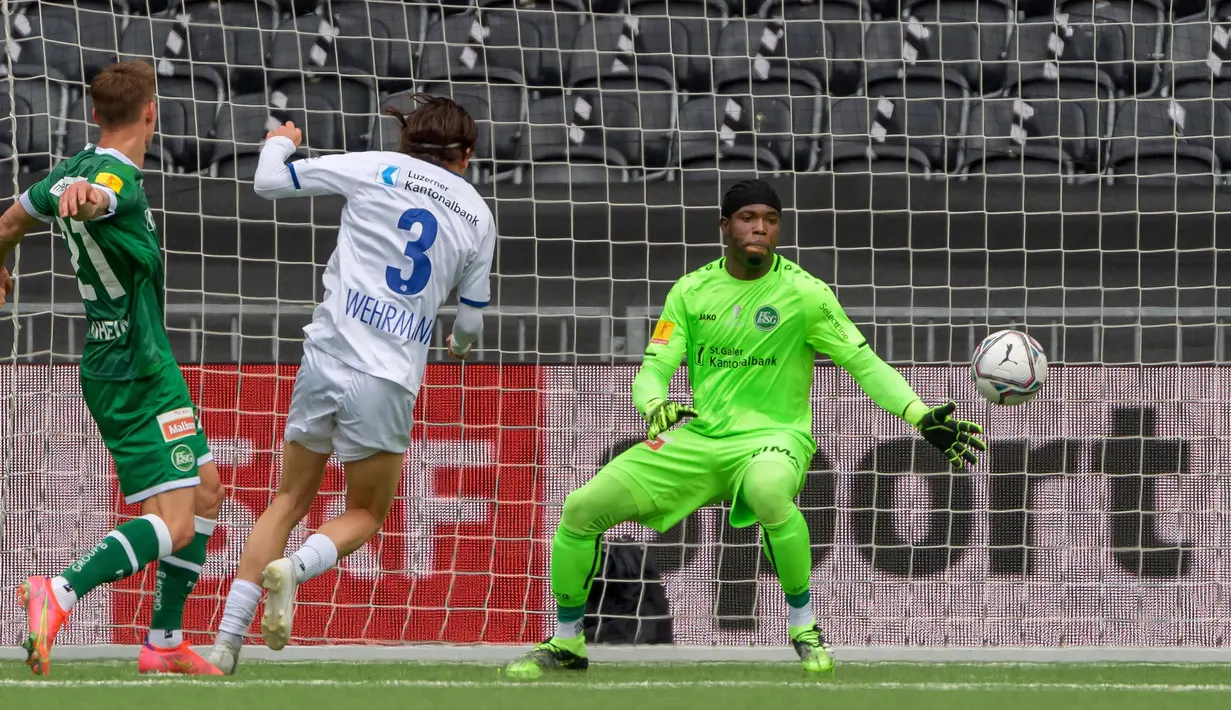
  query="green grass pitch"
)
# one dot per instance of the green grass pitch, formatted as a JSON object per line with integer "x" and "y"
{"x": 887, "y": 686}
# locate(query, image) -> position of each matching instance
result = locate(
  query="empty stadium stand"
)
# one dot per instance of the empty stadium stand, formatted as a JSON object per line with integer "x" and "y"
{"x": 593, "y": 91}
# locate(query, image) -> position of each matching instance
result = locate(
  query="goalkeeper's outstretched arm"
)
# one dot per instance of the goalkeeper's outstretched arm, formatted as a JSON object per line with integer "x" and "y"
{"x": 833, "y": 333}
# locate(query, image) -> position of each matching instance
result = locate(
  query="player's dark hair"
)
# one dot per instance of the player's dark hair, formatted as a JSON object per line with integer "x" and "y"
{"x": 121, "y": 92}
{"x": 439, "y": 130}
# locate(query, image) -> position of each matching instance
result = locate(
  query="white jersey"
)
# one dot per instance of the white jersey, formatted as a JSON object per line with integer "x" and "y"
{"x": 411, "y": 232}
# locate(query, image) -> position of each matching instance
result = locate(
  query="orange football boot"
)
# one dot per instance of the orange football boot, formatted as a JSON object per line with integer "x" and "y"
{"x": 181, "y": 659}
{"x": 45, "y": 619}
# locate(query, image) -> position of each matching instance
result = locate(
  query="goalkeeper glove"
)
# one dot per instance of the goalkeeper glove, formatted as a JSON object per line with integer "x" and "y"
{"x": 957, "y": 439}
{"x": 663, "y": 415}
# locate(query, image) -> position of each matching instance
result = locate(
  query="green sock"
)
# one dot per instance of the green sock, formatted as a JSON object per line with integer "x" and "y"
{"x": 177, "y": 575}
{"x": 125, "y": 550}
{"x": 789, "y": 550}
{"x": 588, "y": 512}
{"x": 574, "y": 562}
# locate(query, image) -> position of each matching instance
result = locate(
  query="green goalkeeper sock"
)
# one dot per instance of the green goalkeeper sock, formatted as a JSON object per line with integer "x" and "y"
{"x": 177, "y": 575}
{"x": 789, "y": 550}
{"x": 574, "y": 562}
{"x": 589, "y": 511}
{"x": 124, "y": 551}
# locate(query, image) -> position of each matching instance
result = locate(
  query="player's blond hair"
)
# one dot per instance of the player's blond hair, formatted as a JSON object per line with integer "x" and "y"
{"x": 121, "y": 92}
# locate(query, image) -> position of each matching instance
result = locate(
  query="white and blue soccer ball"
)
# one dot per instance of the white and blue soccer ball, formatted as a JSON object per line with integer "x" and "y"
{"x": 1009, "y": 367}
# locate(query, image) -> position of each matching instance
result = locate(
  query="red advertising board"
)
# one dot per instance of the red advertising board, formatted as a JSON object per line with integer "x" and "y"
{"x": 460, "y": 558}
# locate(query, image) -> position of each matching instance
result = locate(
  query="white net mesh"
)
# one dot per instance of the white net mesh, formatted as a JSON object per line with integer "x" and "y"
{"x": 951, "y": 168}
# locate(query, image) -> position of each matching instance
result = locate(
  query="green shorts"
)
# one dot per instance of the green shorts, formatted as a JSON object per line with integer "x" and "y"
{"x": 681, "y": 471}
{"x": 150, "y": 426}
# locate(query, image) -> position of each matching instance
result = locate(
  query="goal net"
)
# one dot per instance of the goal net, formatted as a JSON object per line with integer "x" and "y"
{"x": 951, "y": 168}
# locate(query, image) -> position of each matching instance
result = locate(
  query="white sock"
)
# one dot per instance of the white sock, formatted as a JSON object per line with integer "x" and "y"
{"x": 165, "y": 638}
{"x": 801, "y": 616}
{"x": 568, "y": 629}
{"x": 317, "y": 556}
{"x": 65, "y": 594}
{"x": 239, "y": 610}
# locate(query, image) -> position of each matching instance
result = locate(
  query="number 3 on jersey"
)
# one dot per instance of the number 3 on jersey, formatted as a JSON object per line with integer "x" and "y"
{"x": 420, "y": 264}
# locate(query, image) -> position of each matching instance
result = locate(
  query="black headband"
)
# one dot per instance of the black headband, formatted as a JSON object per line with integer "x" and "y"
{"x": 749, "y": 192}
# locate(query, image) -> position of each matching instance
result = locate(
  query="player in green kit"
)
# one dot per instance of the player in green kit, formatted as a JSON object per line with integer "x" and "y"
{"x": 129, "y": 379}
{"x": 749, "y": 327}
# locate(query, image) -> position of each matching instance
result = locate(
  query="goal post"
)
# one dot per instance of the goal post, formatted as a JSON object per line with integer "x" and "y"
{"x": 1095, "y": 529}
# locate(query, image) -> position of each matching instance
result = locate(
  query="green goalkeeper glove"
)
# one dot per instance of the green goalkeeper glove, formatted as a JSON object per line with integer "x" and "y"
{"x": 957, "y": 439}
{"x": 663, "y": 415}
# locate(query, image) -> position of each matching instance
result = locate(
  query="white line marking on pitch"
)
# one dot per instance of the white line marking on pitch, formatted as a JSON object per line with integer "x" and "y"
{"x": 819, "y": 685}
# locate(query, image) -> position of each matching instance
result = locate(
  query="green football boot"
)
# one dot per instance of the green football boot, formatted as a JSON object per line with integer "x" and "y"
{"x": 813, "y": 652}
{"x": 553, "y": 654}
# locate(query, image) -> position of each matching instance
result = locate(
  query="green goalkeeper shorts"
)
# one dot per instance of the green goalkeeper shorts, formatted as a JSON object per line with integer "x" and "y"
{"x": 681, "y": 471}
{"x": 150, "y": 427}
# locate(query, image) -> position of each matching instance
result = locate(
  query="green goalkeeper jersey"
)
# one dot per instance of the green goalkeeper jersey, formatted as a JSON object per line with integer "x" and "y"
{"x": 118, "y": 264}
{"x": 751, "y": 346}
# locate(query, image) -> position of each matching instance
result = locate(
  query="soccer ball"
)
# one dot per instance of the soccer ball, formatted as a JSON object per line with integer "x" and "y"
{"x": 1009, "y": 367}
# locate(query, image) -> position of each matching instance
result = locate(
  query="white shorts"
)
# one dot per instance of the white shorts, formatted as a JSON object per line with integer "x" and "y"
{"x": 336, "y": 408}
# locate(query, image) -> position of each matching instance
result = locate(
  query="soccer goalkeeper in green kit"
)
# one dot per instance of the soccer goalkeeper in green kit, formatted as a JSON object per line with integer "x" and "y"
{"x": 749, "y": 326}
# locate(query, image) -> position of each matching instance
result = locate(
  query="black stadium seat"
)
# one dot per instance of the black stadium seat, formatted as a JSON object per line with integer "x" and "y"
{"x": 1121, "y": 38}
{"x": 631, "y": 88}
{"x": 718, "y": 140}
{"x": 866, "y": 137}
{"x": 1077, "y": 114}
{"x": 614, "y": 48}
{"x": 688, "y": 29}
{"x": 33, "y": 52}
{"x": 303, "y": 71}
{"x": 1206, "y": 121}
{"x": 231, "y": 37}
{"x": 505, "y": 44}
{"x": 82, "y": 38}
{"x": 39, "y": 106}
{"x": 380, "y": 36}
{"x": 639, "y": 125}
{"x": 936, "y": 109}
{"x": 973, "y": 37}
{"x": 1003, "y": 139}
{"x": 756, "y": 52}
{"x": 1148, "y": 145}
{"x": 462, "y": 48}
{"x": 753, "y": 71}
{"x": 1200, "y": 56}
{"x": 239, "y": 133}
{"x": 1071, "y": 101}
{"x": 563, "y": 144}
{"x": 824, "y": 38}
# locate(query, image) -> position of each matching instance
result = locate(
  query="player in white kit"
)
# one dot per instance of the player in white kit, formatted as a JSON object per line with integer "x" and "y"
{"x": 412, "y": 230}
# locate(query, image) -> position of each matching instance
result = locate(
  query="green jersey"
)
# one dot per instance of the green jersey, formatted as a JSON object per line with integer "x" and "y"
{"x": 118, "y": 263}
{"x": 751, "y": 347}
